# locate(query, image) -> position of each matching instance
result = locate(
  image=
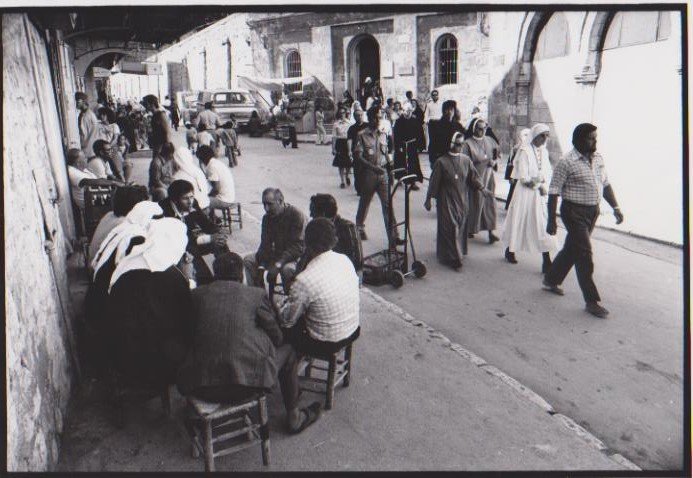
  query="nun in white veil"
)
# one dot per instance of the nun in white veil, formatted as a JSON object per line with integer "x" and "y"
{"x": 525, "y": 225}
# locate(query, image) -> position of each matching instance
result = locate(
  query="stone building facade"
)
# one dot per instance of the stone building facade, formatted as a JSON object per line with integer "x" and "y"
{"x": 618, "y": 70}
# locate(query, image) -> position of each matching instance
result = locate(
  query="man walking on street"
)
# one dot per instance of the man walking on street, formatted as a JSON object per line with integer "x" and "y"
{"x": 371, "y": 153}
{"x": 580, "y": 179}
{"x": 88, "y": 123}
{"x": 161, "y": 130}
{"x": 433, "y": 110}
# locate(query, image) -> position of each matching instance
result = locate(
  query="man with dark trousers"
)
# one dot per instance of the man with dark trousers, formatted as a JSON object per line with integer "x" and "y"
{"x": 580, "y": 179}
{"x": 371, "y": 153}
{"x": 204, "y": 237}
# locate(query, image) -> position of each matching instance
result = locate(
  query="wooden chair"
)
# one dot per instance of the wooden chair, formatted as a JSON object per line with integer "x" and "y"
{"x": 336, "y": 362}
{"x": 230, "y": 215}
{"x": 222, "y": 429}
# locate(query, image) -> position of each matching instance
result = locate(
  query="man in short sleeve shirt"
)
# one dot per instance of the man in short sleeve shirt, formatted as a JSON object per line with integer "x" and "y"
{"x": 580, "y": 179}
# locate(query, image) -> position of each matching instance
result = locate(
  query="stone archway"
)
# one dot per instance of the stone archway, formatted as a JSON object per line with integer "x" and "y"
{"x": 528, "y": 44}
{"x": 363, "y": 59}
{"x": 593, "y": 62}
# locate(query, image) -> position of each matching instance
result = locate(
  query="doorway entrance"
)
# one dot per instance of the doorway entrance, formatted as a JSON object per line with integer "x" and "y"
{"x": 364, "y": 62}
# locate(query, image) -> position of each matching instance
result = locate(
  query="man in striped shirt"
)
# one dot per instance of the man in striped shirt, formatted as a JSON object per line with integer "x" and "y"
{"x": 580, "y": 179}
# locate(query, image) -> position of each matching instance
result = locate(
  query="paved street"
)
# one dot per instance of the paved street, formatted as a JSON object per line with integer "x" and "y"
{"x": 620, "y": 378}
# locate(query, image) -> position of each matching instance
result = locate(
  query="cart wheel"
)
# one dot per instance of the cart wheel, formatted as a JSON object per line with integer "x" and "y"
{"x": 395, "y": 278}
{"x": 419, "y": 269}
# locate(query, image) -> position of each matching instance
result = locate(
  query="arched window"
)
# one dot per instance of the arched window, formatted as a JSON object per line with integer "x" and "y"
{"x": 292, "y": 69}
{"x": 446, "y": 60}
{"x": 636, "y": 28}
{"x": 554, "y": 39}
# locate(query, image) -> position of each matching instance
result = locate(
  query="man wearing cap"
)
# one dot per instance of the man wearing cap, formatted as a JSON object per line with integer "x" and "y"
{"x": 580, "y": 179}
{"x": 89, "y": 126}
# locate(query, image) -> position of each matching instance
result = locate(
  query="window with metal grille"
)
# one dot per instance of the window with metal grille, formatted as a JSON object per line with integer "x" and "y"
{"x": 293, "y": 69}
{"x": 446, "y": 60}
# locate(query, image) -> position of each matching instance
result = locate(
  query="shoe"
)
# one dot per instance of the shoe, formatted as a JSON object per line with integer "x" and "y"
{"x": 348, "y": 181}
{"x": 342, "y": 186}
{"x": 456, "y": 266}
{"x": 414, "y": 187}
{"x": 510, "y": 256}
{"x": 311, "y": 414}
{"x": 470, "y": 236}
{"x": 552, "y": 288}
{"x": 597, "y": 310}
{"x": 362, "y": 235}
{"x": 492, "y": 238}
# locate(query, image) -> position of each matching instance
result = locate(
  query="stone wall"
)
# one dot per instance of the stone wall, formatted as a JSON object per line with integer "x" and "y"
{"x": 39, "y": 370}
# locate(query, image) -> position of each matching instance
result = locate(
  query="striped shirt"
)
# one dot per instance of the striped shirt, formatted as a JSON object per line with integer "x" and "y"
{"x": 327, "y": 292}
{"x": 577, "y": 180}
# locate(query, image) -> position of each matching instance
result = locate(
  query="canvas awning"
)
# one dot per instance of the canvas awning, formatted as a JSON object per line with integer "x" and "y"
{"x": 272, "y": 84}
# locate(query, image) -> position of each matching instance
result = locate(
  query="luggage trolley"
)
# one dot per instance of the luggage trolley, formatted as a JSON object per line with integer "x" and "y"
{"x": 392, "y": 264}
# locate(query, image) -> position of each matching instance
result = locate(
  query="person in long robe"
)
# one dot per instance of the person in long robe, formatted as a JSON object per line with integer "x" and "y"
{"x": 150, "y": 320}
{"x": 406, "y": 136}
{"x": 525, "y": 225}
{"x": 483, "y": 150}
{"x": 116, "y": 245}
{"x": 522, "y": 139}
{"x": 453, "y": 178}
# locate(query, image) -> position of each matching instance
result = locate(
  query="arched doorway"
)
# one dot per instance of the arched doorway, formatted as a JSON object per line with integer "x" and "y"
{"x": 364, "y": 62}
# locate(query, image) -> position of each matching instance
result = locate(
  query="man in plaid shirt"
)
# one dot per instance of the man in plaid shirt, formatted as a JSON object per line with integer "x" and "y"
{"x": 580, "y": 179}
{"x": 325, "y": 295}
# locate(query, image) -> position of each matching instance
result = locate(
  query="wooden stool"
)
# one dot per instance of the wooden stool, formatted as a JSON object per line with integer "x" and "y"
{"x": 229, "y": 216}
{"x": 212, "y": 424}
{"x": 338, "y": 366}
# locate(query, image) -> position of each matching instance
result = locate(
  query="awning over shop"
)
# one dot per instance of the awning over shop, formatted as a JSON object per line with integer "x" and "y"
{"x": 272, "y": 84}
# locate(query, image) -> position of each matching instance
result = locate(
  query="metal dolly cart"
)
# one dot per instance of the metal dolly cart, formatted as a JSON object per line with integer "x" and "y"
{"x": 392, "y": 264}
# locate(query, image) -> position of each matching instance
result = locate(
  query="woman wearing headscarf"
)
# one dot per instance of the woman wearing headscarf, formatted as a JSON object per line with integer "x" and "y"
{"x": 188, "y": 169}
{"x": 521, "y": 140}
{"x": 483, "y": 150}
{"x": 525, "y": 225}
{"x": 150, "y": 320}
{"x": 419, "y": 115}
{"x": 116, "y": 245}
{"x": 452, "y": 181}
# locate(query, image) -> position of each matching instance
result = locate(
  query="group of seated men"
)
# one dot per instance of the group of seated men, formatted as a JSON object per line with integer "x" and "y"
{"x": 163, "y": 321}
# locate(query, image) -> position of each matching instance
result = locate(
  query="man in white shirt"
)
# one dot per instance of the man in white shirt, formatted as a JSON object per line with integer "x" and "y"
{"x": 219, "y": 176}
{"x": 434, "y": 110}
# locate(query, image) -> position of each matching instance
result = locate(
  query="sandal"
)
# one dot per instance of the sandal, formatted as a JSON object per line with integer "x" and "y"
{"x": 312, "y": 413}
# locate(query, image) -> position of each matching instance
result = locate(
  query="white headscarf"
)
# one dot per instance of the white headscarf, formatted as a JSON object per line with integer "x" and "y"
{"x": 119, "y": 238}
{"x": 538, "y": 129}
{"x": 456, "y": 135}
{"x": 524, "y": 137}
{"x": 191, "y": 172}
{"x": 163, "y": 247}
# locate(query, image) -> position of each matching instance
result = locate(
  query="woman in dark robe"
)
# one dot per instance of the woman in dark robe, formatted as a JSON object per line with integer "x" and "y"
{"x": 150, "y": 320}
{"x": 406, "y": 136}
{"x": 452, "y": 180}
{"x": 484, "y": 152}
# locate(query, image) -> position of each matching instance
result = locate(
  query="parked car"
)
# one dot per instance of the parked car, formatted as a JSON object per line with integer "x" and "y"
{"x": 240, "y": 103}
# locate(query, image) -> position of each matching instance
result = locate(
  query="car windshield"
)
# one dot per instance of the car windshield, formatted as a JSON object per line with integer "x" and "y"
{"x": 231, "y": 97}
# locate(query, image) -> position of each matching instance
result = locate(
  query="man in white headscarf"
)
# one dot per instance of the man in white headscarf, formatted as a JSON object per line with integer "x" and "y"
{"x": 114, "y": 247}
{"x": 525, "y": 225}
{"x": 188, "y": 169}
{"x": 150, "y": 313}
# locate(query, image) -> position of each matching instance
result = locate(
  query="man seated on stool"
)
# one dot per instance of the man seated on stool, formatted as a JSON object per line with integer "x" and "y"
{"x": 348, "y": 240}
{"x": 237, "y": 347}
{"x": 281, "y": 242}
{"x": 223, "y": 192}
{"x": 204, "y": 237}
{"x": 324, "y": 296}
